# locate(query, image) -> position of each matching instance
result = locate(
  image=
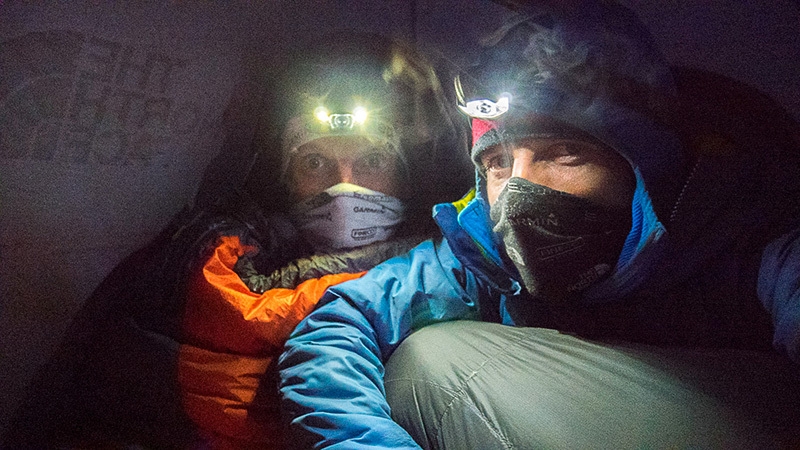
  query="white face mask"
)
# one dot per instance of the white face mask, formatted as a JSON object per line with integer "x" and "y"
{"x": 346, "y": 216}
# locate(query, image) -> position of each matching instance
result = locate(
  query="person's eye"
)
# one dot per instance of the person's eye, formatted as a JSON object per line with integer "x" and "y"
{"x": 568, "y": 153}
{"x": 375, "y": 161}
{"x": 497, "y": 162}
{"x": 313, "y": 162}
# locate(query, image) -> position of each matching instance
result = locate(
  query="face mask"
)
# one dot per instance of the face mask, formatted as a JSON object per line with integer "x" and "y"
{"x": 347, "y": 216}
{"x": 559, "y": 243}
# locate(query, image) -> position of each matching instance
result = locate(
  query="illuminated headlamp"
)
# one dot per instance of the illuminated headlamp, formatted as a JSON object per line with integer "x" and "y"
{"x": 341, "y": 121}
{"x": 485, "y": 108}
{"x": 481, "y": 108}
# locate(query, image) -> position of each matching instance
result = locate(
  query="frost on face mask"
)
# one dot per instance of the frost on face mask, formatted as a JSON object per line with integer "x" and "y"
{"x": 347, "y": 216}
{"x": 560, "y": 244}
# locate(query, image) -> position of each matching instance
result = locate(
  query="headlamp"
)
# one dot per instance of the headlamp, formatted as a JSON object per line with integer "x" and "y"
{"x": 341, "y": 121}
{"x": 485, "y": 108}
{"x": 481, "y": 108}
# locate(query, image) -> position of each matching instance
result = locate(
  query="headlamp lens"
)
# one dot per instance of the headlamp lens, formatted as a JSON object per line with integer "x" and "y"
{"x": 359, "y": 115}
{"x": 321, "y": 114}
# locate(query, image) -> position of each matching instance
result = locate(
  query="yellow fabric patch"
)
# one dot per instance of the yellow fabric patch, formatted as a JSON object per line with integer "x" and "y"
{"x": 462, "y": 203}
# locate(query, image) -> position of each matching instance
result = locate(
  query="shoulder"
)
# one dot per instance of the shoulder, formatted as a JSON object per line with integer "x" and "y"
{"x": 428, "y": 258}
{"x": 428, "y": 269}
{"x": 779, "y": 265}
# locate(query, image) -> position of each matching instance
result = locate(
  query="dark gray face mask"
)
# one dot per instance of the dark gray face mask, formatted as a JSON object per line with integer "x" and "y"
{"x": 559, "y": 243}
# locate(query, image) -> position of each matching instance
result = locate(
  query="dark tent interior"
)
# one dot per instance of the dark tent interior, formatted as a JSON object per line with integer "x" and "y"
{"x": 113, "y": 115}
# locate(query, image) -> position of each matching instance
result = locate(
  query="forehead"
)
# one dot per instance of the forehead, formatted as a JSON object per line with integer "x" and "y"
{"x": 544, "y": 143}
{"x": 339, "y": 146}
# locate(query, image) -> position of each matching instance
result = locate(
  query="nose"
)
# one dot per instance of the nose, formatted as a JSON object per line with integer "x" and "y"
{"x": 345, "y": 171}
{"x": 523, "y": 165}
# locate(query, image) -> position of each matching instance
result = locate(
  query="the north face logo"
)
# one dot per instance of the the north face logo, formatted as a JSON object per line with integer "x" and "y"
{"x": 91, "y": 100}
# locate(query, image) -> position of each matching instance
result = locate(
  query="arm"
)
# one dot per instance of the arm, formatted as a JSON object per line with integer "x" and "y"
{"x": 332, "y": 368}
{"x": 779, "y": 291}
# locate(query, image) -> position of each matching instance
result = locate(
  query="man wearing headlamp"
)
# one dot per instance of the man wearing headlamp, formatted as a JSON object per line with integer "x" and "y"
{"x": 344, "y": 172}
{"x": 583, "y": 164}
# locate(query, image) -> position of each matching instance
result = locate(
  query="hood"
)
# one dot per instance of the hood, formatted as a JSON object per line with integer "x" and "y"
{"x": 592, "y": 66}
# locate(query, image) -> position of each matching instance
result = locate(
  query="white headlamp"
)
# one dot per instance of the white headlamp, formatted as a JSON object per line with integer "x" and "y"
{"x": 485, "y": 108}
{"x": 341, "y": 121}
{"x": 481, "y": 108}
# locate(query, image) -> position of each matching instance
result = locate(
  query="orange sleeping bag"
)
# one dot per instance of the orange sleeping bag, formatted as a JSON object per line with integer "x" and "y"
{"x": 232, "y": 338}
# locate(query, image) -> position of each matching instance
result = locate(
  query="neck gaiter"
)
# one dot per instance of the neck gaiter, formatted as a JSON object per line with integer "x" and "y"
{"x": 347, "y": 216}
{"x": 559, "y": 243}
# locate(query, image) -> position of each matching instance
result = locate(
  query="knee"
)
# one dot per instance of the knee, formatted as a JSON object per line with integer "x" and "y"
{"x": 440, "y": 357}
{"x": 416, "y": 382}
{"x": 427, "y": 387}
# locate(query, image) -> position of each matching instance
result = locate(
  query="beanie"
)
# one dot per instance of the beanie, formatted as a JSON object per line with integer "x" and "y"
{"x": 487, "y": 133}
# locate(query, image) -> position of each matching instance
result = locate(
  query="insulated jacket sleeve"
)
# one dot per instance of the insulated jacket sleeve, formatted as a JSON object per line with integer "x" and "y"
{"x": 779, "y": 291}
{"x": 332, "y": 367}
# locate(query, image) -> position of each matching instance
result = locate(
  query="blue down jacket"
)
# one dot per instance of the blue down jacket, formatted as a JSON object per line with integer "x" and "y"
{"x": 698, "y": 285}
{"x": 358, "y": 326}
